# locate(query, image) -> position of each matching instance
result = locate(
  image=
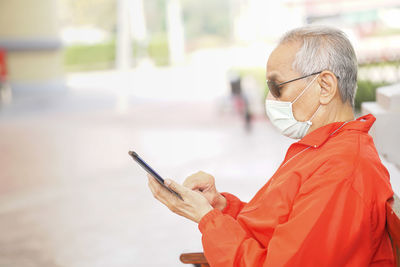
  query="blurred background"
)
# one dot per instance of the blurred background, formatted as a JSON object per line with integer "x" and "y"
{"x": 181, "y": 82}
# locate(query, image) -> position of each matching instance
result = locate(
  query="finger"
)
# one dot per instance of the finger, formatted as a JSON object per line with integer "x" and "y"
{"x": 157, "y": 189}
{"x": 154, "y": 187}
{"x": 199, "y": 179}
{"x": 152, "y": 181}
{"x": 165, "y": 201}
{"x": 195, "y": 183}
{"x": 151, "y": 176}
{"x": 162, "y": 195}
{"x": 191, "y": 183}
{"x": 155, "y": 182}
{"x": 175, "y": 186}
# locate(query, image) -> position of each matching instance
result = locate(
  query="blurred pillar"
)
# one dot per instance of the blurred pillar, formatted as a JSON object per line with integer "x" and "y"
{"x": 139, "y": 31}
{"x": 124, "y": 42}
{"x": 386, "y": 129}
{"x": 29, "y": 33}
{"x": 176, "y": 39}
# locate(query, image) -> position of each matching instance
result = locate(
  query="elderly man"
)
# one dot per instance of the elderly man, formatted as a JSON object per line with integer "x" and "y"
{"x": 325, "y": 205}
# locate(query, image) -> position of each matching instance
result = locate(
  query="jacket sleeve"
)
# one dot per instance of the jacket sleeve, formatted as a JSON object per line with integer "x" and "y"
{"x": 327, "y": 226}
{"x": 233, "y": 205}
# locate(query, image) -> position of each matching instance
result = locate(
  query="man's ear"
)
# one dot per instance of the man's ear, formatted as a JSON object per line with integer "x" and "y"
{"x": 329, "y": 86}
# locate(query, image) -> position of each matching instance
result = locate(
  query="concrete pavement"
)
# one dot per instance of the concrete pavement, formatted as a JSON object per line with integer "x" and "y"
{"x": 71, "y": 196}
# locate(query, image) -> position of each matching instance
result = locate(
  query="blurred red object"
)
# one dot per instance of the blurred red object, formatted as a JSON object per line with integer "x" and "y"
{"x": 3, "y": 67}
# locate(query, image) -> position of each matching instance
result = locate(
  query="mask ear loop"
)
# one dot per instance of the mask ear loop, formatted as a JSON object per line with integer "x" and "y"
{"x": 304, "y": 90}
{"x": 312, "y": 117}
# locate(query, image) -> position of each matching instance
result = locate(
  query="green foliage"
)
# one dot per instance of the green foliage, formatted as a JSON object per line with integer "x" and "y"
{"x": 89, "y": 57}
{"x": 206, "y": 22}
{"x": 393, "y": 63}
{"x": 158, "y": 49}
{"x": 366, "y": 92}
{"x": 102, "y": 56}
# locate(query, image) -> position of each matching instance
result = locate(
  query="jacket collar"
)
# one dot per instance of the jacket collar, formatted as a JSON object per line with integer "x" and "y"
{"x": 319, "y": 136}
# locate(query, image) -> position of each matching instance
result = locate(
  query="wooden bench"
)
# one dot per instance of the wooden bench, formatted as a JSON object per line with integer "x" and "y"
{"x": 392, "y": 225}
{"x": 197, "y": 259}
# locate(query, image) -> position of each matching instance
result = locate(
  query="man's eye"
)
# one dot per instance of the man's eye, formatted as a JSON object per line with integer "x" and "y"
{"x": 273, "y": 82}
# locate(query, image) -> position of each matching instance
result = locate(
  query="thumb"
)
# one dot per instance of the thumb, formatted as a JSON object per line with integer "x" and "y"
{"x": 195, "y": 185}
{"x": 175, "y": 186}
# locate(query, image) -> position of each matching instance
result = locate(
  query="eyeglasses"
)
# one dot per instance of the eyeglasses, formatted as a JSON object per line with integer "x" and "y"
{"x": 275, "y": 89}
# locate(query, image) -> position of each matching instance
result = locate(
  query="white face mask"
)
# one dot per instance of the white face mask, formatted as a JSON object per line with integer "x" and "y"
{"x": 281, "y": 115}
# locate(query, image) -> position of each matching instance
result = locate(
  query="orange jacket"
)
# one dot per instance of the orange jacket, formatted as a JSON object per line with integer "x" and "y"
{"x": 324, "y": 206}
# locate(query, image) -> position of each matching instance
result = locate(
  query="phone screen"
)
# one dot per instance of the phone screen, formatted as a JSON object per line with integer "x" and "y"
{"x": 152, "y": 172}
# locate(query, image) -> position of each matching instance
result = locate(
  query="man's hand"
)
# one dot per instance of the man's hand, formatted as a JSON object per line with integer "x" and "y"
{"x": 193, "y": 206}
{"x": 204, "y": 183}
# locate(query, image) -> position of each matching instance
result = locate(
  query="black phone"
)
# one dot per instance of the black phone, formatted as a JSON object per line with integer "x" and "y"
{"x": 152, "y": 172}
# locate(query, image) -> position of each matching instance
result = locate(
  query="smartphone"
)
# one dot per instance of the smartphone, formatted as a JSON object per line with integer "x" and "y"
{"x": 152, "y": 172}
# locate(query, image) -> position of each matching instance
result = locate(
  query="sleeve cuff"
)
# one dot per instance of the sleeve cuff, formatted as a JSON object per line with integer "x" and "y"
{"x": 228, "y": 202}
{"x": 208, "y": 218}
{"x": 233, "y": 205}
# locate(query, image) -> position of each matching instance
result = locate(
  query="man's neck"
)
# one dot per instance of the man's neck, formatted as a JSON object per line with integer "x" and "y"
{"x": 332, "y": 113}
{"x": 343, "y": 112}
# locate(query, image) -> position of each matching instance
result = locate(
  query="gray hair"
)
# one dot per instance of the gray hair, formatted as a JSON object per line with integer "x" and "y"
{"x": 326, "y": 48}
